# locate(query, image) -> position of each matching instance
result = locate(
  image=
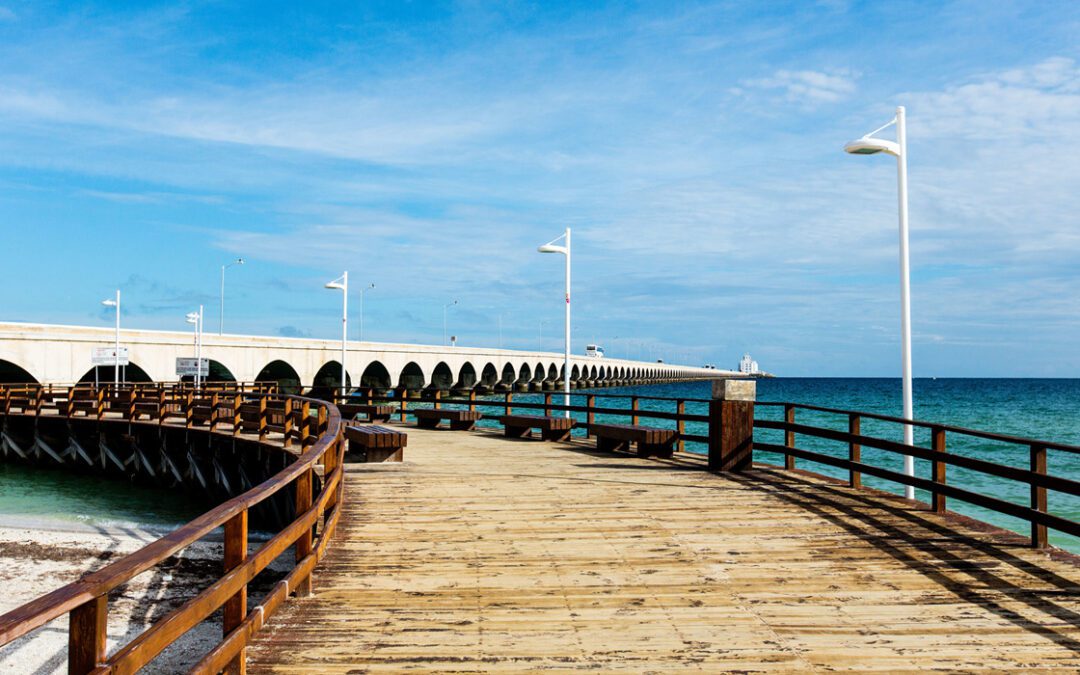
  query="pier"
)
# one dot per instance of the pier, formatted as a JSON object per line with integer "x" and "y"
{"x": 482, "y": 552}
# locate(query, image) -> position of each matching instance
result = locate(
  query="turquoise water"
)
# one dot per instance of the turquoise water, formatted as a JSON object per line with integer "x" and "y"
{"x": 31, "y": 494}
{"x": 1045, "y": 409}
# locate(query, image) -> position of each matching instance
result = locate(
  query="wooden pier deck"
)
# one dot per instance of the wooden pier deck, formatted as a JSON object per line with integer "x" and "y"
{"x": 483, "y": 554}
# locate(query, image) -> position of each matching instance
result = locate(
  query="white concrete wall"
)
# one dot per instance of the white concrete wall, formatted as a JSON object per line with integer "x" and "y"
{"x": 62, "y": 354}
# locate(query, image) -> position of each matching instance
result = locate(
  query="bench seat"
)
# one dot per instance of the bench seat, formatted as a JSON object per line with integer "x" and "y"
{"x": 460, "y": 420}
{"x": 649, "y": 440}
{"x": 551, "y": 428}
{"x": 376, "y": 444}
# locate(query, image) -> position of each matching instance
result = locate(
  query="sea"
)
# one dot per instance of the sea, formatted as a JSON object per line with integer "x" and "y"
{"x": 1044, "y": 409}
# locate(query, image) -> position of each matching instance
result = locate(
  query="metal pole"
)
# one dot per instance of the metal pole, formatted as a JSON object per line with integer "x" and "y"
{"x": 905, "y": 292}
{"x": 116, "y": 354}
{"x": 198, "y": 351}
{"x": 566, "y": 366}
{"x": 221, "y": 304}
{"x": 344, "y": 330}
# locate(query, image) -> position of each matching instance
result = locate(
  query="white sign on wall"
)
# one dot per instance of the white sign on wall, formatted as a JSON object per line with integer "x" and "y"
{"x": 106, "y": 356}
{"x": 191, "y": 367}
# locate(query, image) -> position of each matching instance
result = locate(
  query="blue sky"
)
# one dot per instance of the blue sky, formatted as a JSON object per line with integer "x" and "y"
{"x": 695, "y": 148}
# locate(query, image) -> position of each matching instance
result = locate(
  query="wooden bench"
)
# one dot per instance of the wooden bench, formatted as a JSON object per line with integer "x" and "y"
{"x": 373, "y": 413}
{"x": 649, "y": 440}
{"x": 376, "y": 444}
{"x": 460, "y": 420}
{"x": 551, "y": 428}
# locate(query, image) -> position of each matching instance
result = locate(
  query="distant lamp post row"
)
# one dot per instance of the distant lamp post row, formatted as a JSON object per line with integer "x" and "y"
{"x": 221, "y": 304}
{"x": 867, "y": 145}
{"x": 196, "y": 319}
{"x": 564, "y": 250}
{"x": 342, "y": 284}
{"x": 116, "y": 354}
{"x": 446, "y": 307}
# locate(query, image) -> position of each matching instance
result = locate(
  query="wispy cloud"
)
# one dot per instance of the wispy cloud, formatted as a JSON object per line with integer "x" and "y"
{"x": 806, "y": 87}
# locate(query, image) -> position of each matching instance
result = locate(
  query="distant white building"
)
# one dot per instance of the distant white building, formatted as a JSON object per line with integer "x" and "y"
{"x": 748, "y": 366}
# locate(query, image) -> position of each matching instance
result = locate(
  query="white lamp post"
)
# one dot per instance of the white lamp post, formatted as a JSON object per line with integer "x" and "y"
{"x": 342, "y": 284}
{"x": 872, "y": 146}
{"x": 446, "y": 307}
{"x": 221, "y": 304}
{"x": 366, "y": 288}
{"x": 550, "y": 247}
{"x": 116, "y": 354}
{"x": 196, "y": 318}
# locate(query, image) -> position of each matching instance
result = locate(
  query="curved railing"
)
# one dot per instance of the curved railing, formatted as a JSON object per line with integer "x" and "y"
{"x": 270, "y": 418}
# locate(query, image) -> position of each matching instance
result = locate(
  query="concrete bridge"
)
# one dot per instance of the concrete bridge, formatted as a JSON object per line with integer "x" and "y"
{"x": 52, "y": 354}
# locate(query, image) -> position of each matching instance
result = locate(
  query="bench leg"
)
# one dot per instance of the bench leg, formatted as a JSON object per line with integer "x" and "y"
{"x": 426, "y": 423}
{"x": 664, "y": 450}
{"x": 462, "y": 426}
{"x": 385, "y": 455}
{"x": 380, "y": 418}
{"x": 607, "y": 444}
{"x": 557, "y": 435}
{"x": 518, "y": 432}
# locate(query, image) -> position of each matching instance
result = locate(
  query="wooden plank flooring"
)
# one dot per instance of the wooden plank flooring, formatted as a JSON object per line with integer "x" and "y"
{"x": 482, "y": 554}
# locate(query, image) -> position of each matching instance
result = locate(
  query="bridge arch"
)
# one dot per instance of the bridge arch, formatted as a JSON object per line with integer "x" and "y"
{"x": 508, "y": 374}
{"x": 524, "y": 373}
{"x": 442, "y": 377}
{"x": 376, "y": 375}
{"x": 412, "y": 376}
{"x": 12, "y": 373}
{"x": 466, "y": 376}
{"x": 553, "y": 373}
{"x": 575, "y": 374}
{"x": 132, "y": 372}
{"x": 489, "y": 377}
{"x": 538, "y": 373}
{"x": 328, "y": 378}
{"x": 281, "y": 372}
{"x": 217, "y": 372}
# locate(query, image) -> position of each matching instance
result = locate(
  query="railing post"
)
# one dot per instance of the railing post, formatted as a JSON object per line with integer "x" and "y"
{"x": 188, "y": 406}
{"x": 305, "y": 425}
{"x": 590, "y": 417}
{"x": 937, "y": 439}
{"x": 87, "y": 631}
{"x": 404, "y": 403}
{"x": 236, "y": 415}
{"x": 287, "y": 422}
{"x": 854, "y": 451}
{"x": 437, "y": 404}
{"x": 680, "y": 424}
{"x": 303, "y": 544}
{"x": 1039, "y": 537}
{"x": 547, "y": 405}
{"x": 789, "y": 436}
{"x": 236, "y": 552}
{"x": 472, "y": 400}
{"x": 731, "y": 425}
{"x": 214, "y": 401}
{"x": 509, "y": 398}
{"x": 634, "y": 406}
{"x": 263, "y": 431}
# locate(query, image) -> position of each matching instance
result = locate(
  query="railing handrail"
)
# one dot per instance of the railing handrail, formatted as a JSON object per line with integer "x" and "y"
{"x": 325, "y": 449}
{"x": 924, "y": 424}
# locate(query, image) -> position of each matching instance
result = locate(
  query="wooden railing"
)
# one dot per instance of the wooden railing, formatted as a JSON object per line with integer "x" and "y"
{"x": 1035, "y": 476}
{"x": 275, "y": 420}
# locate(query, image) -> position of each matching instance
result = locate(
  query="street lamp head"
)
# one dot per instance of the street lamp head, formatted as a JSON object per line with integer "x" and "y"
{"x": 335, "y": 286}
{"x": 239, "y": 261}
{"x": 550, "y": 248}
{"x": 872, "y": 146}
{"x": 372, "y": 285}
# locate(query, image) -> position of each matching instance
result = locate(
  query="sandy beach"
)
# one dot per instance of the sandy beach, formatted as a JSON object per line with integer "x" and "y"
{"x": 42, "y": 555}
